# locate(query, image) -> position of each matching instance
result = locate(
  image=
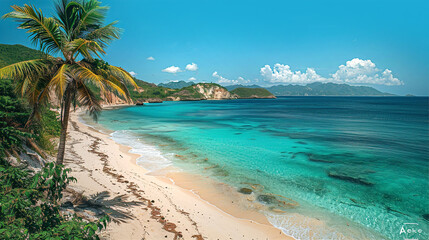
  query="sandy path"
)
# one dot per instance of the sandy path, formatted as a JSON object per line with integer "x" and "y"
{"x": 144, "y": 206}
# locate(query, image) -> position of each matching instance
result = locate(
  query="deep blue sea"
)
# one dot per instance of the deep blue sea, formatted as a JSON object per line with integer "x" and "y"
{"x": 360, "y": 165}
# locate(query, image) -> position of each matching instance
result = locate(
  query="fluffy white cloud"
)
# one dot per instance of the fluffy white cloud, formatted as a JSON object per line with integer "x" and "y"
{"x": 356, "y": 71}
{"x": 192, "y": 79}
{"x": 150, "y": 58}
{"x": 223, "y": 80}
{"x": 283, "y": 74}
{"x": 192, "y": 67}
{"x": 132, "y": 73}
{"x": 172, "y": 69}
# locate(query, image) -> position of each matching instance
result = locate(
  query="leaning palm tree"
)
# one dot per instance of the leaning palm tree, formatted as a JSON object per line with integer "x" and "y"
{"x": 78, "y": 35}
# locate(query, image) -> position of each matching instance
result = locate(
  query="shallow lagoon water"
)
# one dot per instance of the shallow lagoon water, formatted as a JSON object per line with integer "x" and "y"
{"x": 358, "y": 164}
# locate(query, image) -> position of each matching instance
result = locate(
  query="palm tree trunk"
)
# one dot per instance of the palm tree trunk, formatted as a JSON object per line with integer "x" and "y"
{"x": 64, "y": 125}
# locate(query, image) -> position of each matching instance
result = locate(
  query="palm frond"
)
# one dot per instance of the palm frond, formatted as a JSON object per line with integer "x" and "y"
{"x": 25, "y": 69}
{"x": 84, "y": 74}
{"x": 24, "y": 86}
{"x": 116, "y": 85}
{"x": 125, "y": 76}
{"x": 84, "y": 47}
{"x": 67, "y": 15}
{"x": 60, "y": 80}
{"x": 44, "y": 32}
{"x": 93, "y": 13}
{"x": 92, "y": 16}
{"x": 40, "y": 91}
{"x": 88, "y": 99}
{"x": 36, "y": 99}
{"x": 104, "y": 35}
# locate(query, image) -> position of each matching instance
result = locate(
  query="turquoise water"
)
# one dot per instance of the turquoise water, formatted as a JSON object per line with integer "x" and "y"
{"x": 359, "y": 164}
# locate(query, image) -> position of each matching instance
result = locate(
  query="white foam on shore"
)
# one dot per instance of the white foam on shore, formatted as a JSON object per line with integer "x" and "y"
{"x": 302, "y": 228}
{"x": 151, "y": 158}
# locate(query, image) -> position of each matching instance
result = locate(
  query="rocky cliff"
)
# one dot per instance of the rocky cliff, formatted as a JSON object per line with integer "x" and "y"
{"x": 212, "y": 91}
{"x": 201, "y": 91}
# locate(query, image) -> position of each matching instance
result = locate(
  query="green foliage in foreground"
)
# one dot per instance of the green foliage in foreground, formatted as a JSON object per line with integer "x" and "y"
{"x": 14, "y": 113}
{"x": 29, "y": 205}
{"x": 249, "y": 92}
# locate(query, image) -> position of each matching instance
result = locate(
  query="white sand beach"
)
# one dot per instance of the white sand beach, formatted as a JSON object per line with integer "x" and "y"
{"x": 152, "y": 207}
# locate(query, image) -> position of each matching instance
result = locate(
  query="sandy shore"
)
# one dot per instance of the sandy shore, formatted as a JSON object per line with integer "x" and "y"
{"x": 145, "y": 206}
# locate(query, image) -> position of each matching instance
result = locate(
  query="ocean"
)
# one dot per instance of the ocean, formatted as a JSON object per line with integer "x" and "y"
{"x": 324, "y": 167}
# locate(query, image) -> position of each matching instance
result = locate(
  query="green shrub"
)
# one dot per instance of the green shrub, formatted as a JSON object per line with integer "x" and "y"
{"x": 29, "y": 205}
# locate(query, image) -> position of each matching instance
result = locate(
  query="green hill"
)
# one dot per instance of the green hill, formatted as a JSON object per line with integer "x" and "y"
{"x": 242, "y": 92}
{"x": 176, "y": 85}
{"x": 10, "y": 54}
{"x": 149, "y": 91}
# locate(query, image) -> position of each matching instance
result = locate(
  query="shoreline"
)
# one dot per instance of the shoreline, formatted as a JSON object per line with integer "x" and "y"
{"x": 169, "y": 206}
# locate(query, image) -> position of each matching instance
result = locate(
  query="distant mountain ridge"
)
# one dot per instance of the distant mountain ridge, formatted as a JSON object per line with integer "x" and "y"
{"x": 318, "y": 89}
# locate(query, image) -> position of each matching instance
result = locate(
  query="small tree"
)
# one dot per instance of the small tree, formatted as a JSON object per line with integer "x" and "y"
{"x": 79, "y": 35}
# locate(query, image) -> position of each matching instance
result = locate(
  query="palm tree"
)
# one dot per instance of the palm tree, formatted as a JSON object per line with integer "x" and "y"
{"x": 78, "y": 35}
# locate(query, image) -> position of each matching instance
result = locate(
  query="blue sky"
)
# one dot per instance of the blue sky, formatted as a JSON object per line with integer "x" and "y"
{"x": 384, "y": 44}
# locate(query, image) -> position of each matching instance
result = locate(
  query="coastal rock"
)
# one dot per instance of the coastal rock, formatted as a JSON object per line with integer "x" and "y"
{"x": 172, "y": 98}
{"x": 349, "y": 177}
{"x": 267, "y": 199}
{"x": 313, "y": 157}
{"x": 190, "y": 99}
{"x": 154, "y": 100}
{"x": 220, "y": 172}
{"x": 300, "y": 153}
{"x": 245, "y": 190}
{"x": 426, "y": 216}
{"x": 139, "y": 103}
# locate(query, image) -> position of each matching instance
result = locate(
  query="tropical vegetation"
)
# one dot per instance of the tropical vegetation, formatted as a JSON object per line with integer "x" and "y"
{"x": 30, "y": 205}
{"x": 251, "y": 92}
{"x": 176, "y": 84}
{"x": 30, "y": 202}
{"x": 77, "y": 36}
